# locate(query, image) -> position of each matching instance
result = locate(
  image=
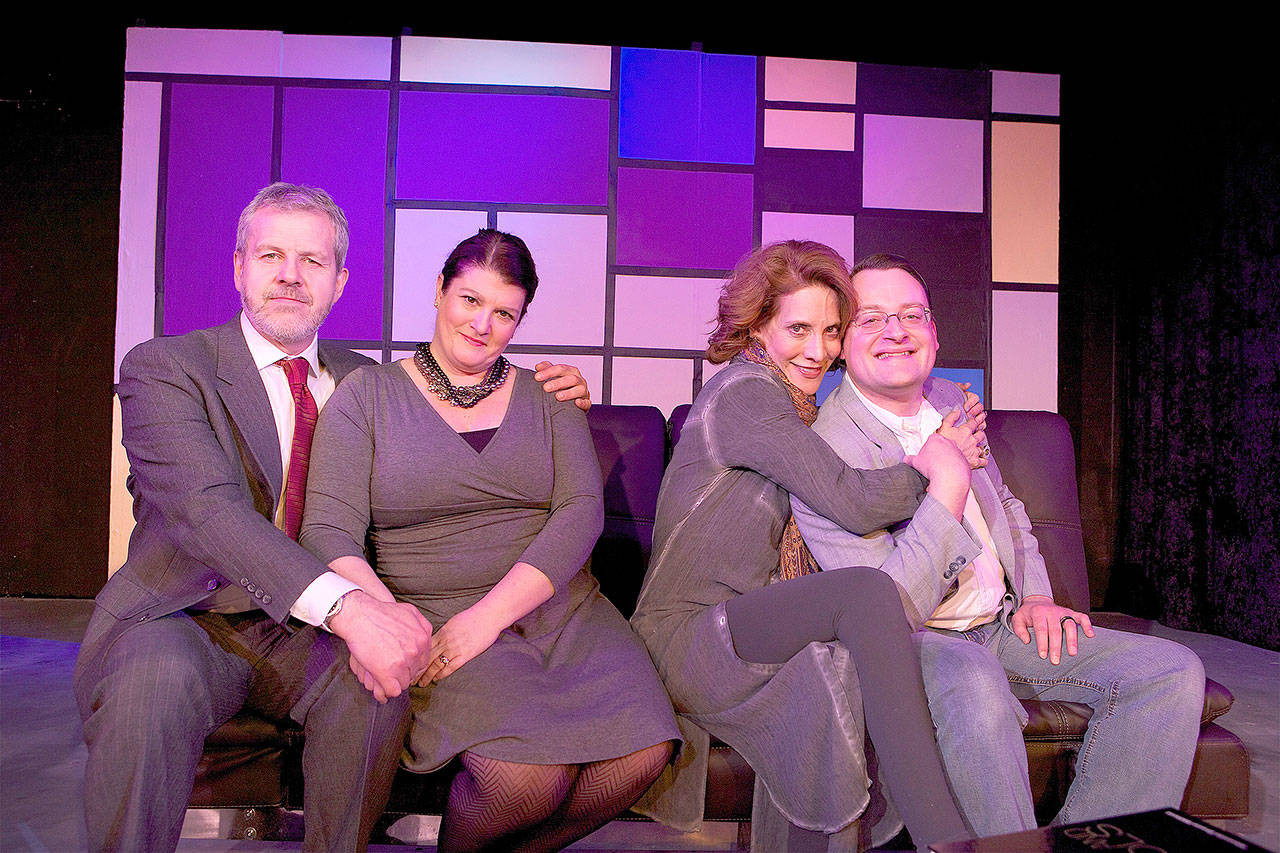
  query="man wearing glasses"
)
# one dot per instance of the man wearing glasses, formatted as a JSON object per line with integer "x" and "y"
{"x": 974, "y": 585}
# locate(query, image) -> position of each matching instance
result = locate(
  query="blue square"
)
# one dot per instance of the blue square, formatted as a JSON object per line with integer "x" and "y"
{"x": 685, "y": 106}
{"x": 972, "y": 375}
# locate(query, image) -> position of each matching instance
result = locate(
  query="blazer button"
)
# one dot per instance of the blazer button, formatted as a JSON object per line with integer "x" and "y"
{"x": 266, "y": 599}
{"x": 250, "y": 587}
{"x": 244, "y": 581}
{"x": 257, "y": 593}
{"x": 211, "y": 585}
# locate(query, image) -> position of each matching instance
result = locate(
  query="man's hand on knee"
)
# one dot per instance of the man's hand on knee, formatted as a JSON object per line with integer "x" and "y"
{"x": 1055, "y": 627}
{"x": 389, "y": 642}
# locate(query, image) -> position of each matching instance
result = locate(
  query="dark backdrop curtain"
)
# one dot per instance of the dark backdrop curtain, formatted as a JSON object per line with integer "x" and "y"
{"x": 1199, "y": 349}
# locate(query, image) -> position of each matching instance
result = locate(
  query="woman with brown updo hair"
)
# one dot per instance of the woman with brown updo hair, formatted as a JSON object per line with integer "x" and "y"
{"x": 755, "y": 644}
{"x": 480, "y": 496}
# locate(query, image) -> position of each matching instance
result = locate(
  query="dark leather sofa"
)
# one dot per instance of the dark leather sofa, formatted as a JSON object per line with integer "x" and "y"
{"x": 253, "y": 766}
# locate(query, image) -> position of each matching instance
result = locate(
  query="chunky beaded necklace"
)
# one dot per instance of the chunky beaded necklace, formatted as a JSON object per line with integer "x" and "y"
{"x": 462, "y": 396}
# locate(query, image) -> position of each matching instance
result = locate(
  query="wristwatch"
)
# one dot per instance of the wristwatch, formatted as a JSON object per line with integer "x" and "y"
{"x": 334, "y": 611}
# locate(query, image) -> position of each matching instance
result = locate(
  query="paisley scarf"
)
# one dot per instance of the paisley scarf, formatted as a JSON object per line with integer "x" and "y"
{"x": 794, "y": 558}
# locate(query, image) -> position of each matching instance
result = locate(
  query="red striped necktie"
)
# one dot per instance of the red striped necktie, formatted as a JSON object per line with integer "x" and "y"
{"x": 304, "y": 426}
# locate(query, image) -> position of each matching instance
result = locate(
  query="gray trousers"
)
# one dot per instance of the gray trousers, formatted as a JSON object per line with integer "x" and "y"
{"x": 149, "y": 694}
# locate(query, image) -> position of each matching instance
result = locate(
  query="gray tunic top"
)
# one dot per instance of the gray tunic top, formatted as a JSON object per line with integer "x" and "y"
{"x": 568, "y": 683}
{"x": 721, "y": 512}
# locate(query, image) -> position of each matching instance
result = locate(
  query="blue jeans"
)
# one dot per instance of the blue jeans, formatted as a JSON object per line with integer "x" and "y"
{"x": 1147, "y": 695}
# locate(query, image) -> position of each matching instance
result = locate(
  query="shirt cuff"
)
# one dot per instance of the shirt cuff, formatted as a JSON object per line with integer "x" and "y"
{"x": 314, "y": 603}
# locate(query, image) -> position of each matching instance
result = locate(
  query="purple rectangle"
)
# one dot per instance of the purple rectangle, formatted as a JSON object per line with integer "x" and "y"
{"x": 949, "y": 250}
{"x": 799, "y": 181}
{"x": 518, "y": 149}
{"x": 904, "y": 90}
{"x": 337, "y": 139}
{"x": 683, "y": 219}
{"x": 219, "y": 157}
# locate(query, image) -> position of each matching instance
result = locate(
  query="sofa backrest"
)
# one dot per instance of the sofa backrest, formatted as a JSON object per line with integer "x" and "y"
{"x": 1038, "y": 463}
{"x": 1034, "y": 450}
{"x": 631, "y": 445}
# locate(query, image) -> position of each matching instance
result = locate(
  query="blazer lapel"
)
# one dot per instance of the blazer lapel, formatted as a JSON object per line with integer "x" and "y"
{"x": 868, "y": 424}
{"x": 249, "y": 410}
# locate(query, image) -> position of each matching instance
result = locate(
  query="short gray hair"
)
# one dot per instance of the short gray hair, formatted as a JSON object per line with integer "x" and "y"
{"x": 295, "y": 197}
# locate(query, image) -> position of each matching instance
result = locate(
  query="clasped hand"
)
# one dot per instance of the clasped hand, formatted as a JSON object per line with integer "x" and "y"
{"x": 1055, "y": 626}
{"x": 389, "y": 642}
{"x": 970, "y": 436}
{"x": 462, "y": 638}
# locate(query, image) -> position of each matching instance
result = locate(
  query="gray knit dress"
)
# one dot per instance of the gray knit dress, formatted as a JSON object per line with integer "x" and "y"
{"x": 569, "y": 683}
{"x": 721, "y": 513}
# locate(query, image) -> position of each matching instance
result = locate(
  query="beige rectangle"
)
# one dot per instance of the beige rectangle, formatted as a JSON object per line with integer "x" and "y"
{"x": 505, "y": 63}
{"x": 661, "y": 382}
{"x": 671, "y": 313}
{"x": 1024, "y": 350}
{"x": 815, "y": 81}
{"x": 1024, "y": 202}
{"x": 136, "y": 257}
{"x": 820, "y": 131}
{"x": 233, "y": 53}
{"x": 339, "y": 57}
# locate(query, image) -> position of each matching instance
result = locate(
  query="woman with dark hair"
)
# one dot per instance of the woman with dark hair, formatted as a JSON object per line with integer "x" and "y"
{"x": 480, "y": 496}
{"x": 755, "y": 644}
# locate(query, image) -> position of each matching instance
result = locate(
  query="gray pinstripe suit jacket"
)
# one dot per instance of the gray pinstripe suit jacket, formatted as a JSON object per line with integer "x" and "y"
{"x": 205, "y": 476}
{"x": 924, "y": 554}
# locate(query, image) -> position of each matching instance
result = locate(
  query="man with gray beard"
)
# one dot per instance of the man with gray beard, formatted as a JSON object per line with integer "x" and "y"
{"x": 217, "y": 607}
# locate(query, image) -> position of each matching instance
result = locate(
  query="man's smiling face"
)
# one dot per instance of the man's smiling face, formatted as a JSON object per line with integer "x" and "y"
{"x": 890, "y": 366}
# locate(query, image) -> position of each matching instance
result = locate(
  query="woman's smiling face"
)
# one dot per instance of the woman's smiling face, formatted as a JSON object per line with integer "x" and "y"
{"x": 803, "y": 335}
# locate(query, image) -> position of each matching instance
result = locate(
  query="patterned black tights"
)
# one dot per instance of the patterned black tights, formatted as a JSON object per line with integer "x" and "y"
{"x": 541, "y": 807}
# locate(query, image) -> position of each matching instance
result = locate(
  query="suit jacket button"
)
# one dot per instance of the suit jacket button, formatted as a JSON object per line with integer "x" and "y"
{"x": 211, "y": 585}
{"x": 266, "y": 599}
{"x": 250, "y": 587}
{"x": 244, "y": 581}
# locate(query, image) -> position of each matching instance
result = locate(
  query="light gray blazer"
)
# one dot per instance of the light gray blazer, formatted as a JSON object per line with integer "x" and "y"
{"x": 925, "y": 554}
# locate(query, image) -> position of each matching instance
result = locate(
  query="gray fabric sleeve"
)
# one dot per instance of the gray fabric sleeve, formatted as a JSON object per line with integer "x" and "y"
{"x": 754, "y": 425}
{"x": 576, "y": 518}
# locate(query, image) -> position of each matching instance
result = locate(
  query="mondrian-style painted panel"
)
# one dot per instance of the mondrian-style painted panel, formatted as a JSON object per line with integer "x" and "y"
{"x": 639, "y": 177}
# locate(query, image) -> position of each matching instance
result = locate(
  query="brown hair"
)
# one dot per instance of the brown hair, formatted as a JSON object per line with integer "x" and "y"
{"x": 890, "y": 261}
{"x": 750, "y": 297}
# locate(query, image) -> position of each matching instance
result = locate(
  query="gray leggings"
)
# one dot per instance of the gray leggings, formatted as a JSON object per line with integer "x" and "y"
{"x": 861, "y": 608}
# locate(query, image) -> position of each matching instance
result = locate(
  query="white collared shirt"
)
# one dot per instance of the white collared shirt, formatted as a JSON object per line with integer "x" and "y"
{"x": 980, "y": 585}
{"x": 319, "y": 596}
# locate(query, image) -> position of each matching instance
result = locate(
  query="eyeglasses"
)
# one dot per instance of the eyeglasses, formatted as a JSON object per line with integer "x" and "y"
{"x": 870, "y": 322}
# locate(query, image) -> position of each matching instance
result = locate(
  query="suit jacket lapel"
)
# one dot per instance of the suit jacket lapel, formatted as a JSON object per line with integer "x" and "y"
{"x": 249, "y": 411}
{"x": 870, "y": 426}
